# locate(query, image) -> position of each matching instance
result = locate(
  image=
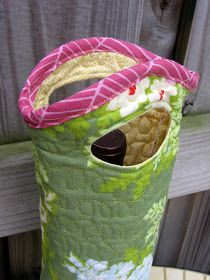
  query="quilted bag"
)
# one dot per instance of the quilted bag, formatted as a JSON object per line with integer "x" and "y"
{"x": 100, "y": 220}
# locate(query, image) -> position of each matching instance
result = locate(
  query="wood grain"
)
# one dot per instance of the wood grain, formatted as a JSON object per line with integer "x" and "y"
{"x": 185, "y": 24}
{"x": 25, "y": 255}
{"x": 160, "y": 24}
{"x": 192, "y": 169}
{"x": 196, "y": 243}
{"x": 184, "y": 239}
{"x": 18, "y": 191}
{"x": 198, "y": 58}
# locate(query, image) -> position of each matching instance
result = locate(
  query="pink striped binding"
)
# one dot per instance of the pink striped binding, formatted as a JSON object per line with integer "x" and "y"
{"x": 101, "y": 92}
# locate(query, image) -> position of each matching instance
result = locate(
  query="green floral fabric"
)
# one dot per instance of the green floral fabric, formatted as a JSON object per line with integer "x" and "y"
{"x": 101, "y": 221}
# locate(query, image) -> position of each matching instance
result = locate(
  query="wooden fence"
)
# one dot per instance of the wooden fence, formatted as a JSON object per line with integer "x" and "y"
{"x": 29, "y": 30}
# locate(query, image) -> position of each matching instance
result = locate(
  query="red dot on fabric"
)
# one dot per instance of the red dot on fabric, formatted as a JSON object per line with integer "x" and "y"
{"x": 132, "y": 90}
{"x": 161, "y": 94}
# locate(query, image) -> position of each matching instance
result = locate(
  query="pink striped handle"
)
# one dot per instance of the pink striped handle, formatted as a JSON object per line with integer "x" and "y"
{"x": 101, "y": 92}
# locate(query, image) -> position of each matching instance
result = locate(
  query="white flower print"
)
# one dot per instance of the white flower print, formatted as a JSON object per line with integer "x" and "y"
{"x": 140, "y": 95}
{"x": 99, "y": 270}
{"x": 128, "y": 102}
{"x": 161, "y": 91}
{"x": 46, "y": 204}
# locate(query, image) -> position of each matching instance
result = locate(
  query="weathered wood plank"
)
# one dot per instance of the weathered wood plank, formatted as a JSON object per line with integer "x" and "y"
{"x": 18, "y": 192}
{"x": 185, "y": 24}
{"x": 194, "y": 253}
{"x": 192, "y": 169}
{"x": 198, "y": 58}
{"x": 184, "y": 238}
{"x": 25, "y": 255}
{"x": 160, "y": 23}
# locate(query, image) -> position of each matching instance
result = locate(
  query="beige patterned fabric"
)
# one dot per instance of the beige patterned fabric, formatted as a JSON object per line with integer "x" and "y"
{"x": 145, "y": 134}
{"x": 89, "y": 66}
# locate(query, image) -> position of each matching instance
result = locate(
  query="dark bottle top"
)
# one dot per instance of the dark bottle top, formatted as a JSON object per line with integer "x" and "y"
{"x": 111, "y": 147}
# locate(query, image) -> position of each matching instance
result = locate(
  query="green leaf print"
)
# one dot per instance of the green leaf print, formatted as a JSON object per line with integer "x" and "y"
{"x": 143, "y": 181}
{"x": 139, "y": 179}
{"x": 132, "y": 254}
{"x": 137, "y": 256}
{"x": 153, "y": 217}
{"x": 79, "y": 127}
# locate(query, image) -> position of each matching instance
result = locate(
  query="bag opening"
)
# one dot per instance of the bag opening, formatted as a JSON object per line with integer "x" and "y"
{"x": 144, "y": 136}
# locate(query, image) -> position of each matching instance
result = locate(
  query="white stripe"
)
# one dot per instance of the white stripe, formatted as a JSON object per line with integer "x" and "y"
{"x": 115, "y": 82}
{"x": 125, "y": 47}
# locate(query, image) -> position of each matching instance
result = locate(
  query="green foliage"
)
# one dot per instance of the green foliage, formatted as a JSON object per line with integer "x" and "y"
{"x": 79, "y": 127}
{"x": 137, "y": 256}
{"x": 50, "y": 133}
{"x": 139, "y": 179}
{"x": 145, "y": 252}
{"x": 143, "y": 180}
{"x": 132, "y": 254}
{"x": 53, "y": 274}
{"x": 41, "y": 173}
{"x": 59, "y": 128}
{"x": 105, "y": 120}
{"x": 121, "y": 182}
{"x": 166, "y": 162}
{"x": 153, "y": 217}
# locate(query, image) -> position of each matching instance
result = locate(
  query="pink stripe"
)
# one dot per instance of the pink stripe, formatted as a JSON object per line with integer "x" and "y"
{"x": 101, "y": 92}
